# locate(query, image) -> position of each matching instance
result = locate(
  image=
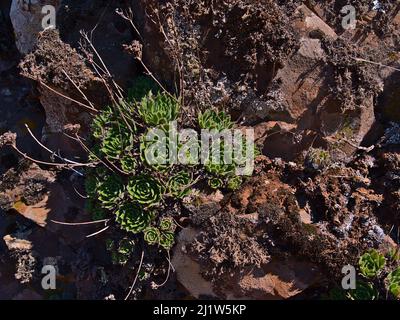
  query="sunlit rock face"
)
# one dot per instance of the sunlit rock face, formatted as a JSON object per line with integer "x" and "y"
{"x": 27, "y": 17}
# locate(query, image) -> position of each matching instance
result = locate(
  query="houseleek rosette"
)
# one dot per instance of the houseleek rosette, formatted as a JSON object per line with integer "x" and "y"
{"x": 152, "y": 235}
{"x": 145, "y": 190}
{"x": 215, "y": 183}
{"x": 110, "y": 191}
{"x": 394, "y": 282}
{"x": 179, "y": 184}
{"x": 213, "y": 120}
{"x": 115, "y": 141}
{"x": 167, "y": 224}
{"x": 364, "y": 291}
{"x": 158, "y": 109}
{"x": 371, "y": 263}
{"x": 132, "y": 218}
{"x": 167, "y": 240}
{"x": 234, "y": 183}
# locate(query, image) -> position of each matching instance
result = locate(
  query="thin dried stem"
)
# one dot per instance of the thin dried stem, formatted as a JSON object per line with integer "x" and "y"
{"x": 53, "y": 153}
{"x": 129, "y": 17}
{"x": 375, "y": 63}
{"x": 80, "y": 91}
{"x": 170, "y": 266}
{"x": 136, "y": 277}
{"x": 98, "y": 232}
{"x": 69, "y": 98}
{"x": 80, "y": 223}
{"x": 117, "y": 87}
{"x": 60, "y": 165}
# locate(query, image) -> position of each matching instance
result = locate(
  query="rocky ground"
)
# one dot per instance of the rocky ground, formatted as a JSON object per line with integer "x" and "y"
{"x": 324, "y": 105}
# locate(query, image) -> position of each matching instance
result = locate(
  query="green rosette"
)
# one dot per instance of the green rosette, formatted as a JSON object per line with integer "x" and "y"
{"x": 159, "y": 109}
{"x": 213, "y": 120}
{"x": 167, "y": 240}
{"x": 110, "y": 191}
{"x": 152, "y": 235}
{"x": 167, "y": 224}
{"x": 371, "y": 263}
{"x": 132, "y": 218}
{"x": 145, "y": 190}
{"x": 179, "y": 184}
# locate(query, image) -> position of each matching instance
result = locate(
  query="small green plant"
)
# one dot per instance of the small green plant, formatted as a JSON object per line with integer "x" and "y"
{"x": 393, "y": 280}
{"x": 371, "y": 263}
{"x": 126, "y": 246}
{"x": 145, "y": 190}
{"x": 152, "y": 235}
{"x": 115, "y": 142}
{"x": 363, "y": 291}
{"x": 318, "y": 158}
{"x": 394, "y": 255}
{"x": 158, "y": 109}
{"x": 132, "y": 218}
{"x": 163, "y": 236}
{"x": 216, "y": 183}
{"x": 128, "y": 163}
{"x": 120, "y": 251}
{"x": 213, "y": 120}
{"x": 154, "y": 157}
{"x": 167, "y": 240}
{"x": 234, "y": 183}
{"x": 179, "y": 184}
{"x": 167, "y": 224}
{"x": 110, "y": 191}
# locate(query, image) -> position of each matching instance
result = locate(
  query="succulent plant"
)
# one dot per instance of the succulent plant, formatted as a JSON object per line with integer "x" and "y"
{"x": 126, "y": 246}
{"x": 213, "y": 120}
{"x": 152, "y": 235}
{"x": 167, "y": 224}
{"x": 132, "y": 218}
{"x": 394, "y": 282}
{"x": 101, "y": 122}
{"x": 318, "y": 158}
{"x": 115, "y": 141}
{"x": 119, "y": 259}
{"x": 128, "y": 163}
{"x": 158, "y": 109}
{"x": 145, "y": 190}
{"x": 179, "y": 184}
{"x": 220, "y": 169}
{"x": 371, "y": 263}
{"x": 167, "y": 240}
{"x": 215, "y": 183}
{"x": 110, "y": 191}
{"x": 363, "y": 291}
{"x": 394, "y": 255}
{"x": 234, "y": 183}
{"x": 142, "y": 86}
{"x": 154, "y": 154}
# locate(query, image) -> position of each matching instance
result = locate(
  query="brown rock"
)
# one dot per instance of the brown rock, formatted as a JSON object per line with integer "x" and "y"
{"x": 188, "y": 271}
{"x": 276, "y": 280}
